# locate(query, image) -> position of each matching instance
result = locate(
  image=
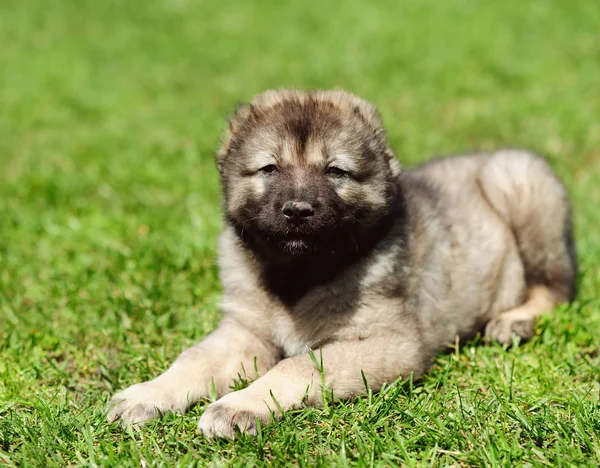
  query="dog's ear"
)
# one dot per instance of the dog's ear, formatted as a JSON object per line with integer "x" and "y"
{"x": 235, "y": 123}
{"x": 393, "y": 162}
{"x": 372, "y": 119}
{"x": 369, "y": 114}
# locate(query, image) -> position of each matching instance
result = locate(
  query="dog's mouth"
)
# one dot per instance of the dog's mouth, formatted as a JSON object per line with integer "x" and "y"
{"x": 292, "y": 241}
{"x": 295, "y": 242}
{"x": 296, "y": 246}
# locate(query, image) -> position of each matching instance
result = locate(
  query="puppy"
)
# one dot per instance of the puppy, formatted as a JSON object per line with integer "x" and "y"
{"x": 335, "y": 263}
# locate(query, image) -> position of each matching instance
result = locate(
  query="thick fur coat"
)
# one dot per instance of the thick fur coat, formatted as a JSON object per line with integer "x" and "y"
{"x": 330, "y": 248}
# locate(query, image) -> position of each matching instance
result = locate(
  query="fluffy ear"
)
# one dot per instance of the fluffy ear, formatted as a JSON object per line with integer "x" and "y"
{"x": 241, "y": 116}
{"x": 371, "y": 117}
{"x": 393, "y": 162}
{"x": 360, "y": 107}
{"x": 369, "y": 114}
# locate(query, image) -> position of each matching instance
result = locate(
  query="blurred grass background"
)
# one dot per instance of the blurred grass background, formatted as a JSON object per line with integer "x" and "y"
{"x": 109, "y": 210}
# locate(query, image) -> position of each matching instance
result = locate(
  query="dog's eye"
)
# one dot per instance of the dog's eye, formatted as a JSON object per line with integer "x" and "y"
{"x": 335, "y": 171}
{"x": 269, "y": 169}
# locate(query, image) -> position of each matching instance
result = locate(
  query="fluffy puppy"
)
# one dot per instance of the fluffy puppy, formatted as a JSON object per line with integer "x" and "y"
{"x": 329, "y": 246}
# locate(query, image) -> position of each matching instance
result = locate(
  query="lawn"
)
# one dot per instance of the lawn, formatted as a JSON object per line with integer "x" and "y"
{"x": 110, "y": 112}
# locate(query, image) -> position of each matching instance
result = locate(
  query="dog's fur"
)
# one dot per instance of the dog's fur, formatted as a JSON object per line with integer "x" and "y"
{"x": 376, "y": 270}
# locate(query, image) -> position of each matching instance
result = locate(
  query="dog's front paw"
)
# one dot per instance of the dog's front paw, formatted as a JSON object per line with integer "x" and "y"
{"x": 502, "y": 328}
{"x": 236, "y": 411}
{"x": 142, "y": 402}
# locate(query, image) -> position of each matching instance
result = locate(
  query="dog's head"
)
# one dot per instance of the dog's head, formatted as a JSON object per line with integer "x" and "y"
{"x": 304, "y": 171}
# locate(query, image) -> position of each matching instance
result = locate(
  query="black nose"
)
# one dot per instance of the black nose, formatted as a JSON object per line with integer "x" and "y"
{"x": 297, "y": 211}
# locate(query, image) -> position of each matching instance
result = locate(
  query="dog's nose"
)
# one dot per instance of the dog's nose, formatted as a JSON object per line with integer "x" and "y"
{"x": 297, "y": 210}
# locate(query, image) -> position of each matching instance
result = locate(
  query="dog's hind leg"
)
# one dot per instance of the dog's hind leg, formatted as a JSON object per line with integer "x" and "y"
{"x": 524, "y": 191}
{"x": 520, "y": 319}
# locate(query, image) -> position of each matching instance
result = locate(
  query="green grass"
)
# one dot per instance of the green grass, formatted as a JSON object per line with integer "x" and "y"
{"x": 109, "y": 212}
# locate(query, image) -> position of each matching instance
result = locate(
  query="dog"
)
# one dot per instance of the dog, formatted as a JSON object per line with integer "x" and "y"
{"x": 339, "y": 267}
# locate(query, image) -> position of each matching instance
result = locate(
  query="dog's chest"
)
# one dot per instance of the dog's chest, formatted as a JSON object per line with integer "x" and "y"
{"x": 312, "y": 321}
{"x": 288, "y": 337}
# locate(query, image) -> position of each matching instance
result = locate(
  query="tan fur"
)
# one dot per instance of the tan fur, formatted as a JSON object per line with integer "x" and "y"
{"x": 441, "y": 251}
{"x": 519, "y": 321}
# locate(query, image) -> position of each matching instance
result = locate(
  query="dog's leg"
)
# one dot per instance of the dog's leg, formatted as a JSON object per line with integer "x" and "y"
{"x": 524, "y": 191}
{"x": 210, "y": 366}
{"x": 520, "y": 319}
{"x": 298, "y": 380}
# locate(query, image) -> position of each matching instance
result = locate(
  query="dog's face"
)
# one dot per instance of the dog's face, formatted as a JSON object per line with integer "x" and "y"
{"x": 304, "y": 171}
